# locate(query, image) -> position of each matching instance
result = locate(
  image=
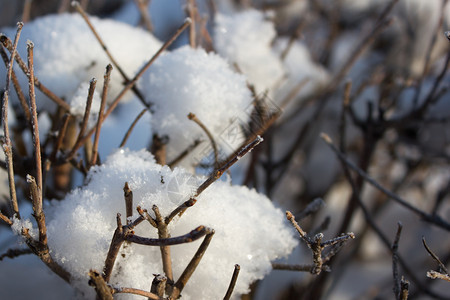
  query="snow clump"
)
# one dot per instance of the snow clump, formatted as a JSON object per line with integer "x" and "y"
{"x": 66, "y": 53}
{"x": 193, "y": 81}
{"x": 245, "y": 38}
{"x": 249, "y": 230}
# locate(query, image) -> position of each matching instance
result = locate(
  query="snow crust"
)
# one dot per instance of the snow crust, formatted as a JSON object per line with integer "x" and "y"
{"x": 249, "y": 230}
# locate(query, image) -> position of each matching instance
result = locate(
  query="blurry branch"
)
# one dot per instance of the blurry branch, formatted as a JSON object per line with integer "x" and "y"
{"x": 311, "y": 208}
{"x": 317, "y": 246}
{"x": 128, "y": 196}
{"x": 433, "y": 219}
{"x": 159, "y": 285}
{"x": 103, "y": 290}
{"x": 26, "y": 11}
{"x": 443, "y": 272}
{"x": 184, "y": 153}
{"x": 234, "y": 277}
{"x": 158, "y": 148}
{"x": 5, "y": 219}
{"x": 133, "y": 81}
{"x": 194, "y": 118}
{"x": 143, "y": 5}
{"x": 8, "y": 45}
{"x": 106, "y": 79}
{"x": 7, "y": 145}
{"x": 216, "y": 174}
{"x": 191, "y": 11}
{"x": 134, "y": 88}
{"x": 13, "y": 253}
{"x": 397, "y": 281}
{"x": 149, "y": 295}
{"x": 128, "y": 133}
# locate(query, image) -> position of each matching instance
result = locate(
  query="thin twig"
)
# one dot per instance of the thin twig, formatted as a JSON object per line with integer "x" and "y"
{"x": 183, "y": 154}
{"x": 128, "y": 196}
{"x": 128, "y": 290}
{"x": 187, "y": 238}
{"x": 5, "y": 219}
{"x": 80, "y": 141}
{"x": 299, "y": 268}
{"x": 158, "y": 148}
{"x": 34, "y": 121}
{"x": 80, "y": 10}
{"x": 106, "y": 79}
{"x": 191, "y": 12}
{"x": 437, "y": 275}
{"x": 230, "y": 289}
{"x": 103, "y": 290}
{"x": 37, "y": 210}
{"x": 397, "y": 281}
{"x": 434, "y": 219}
{"x": 26, "y": 11}
{"x": 194, "y": 118}
{"x": 163, "y": 233}
{"x": 145, "y": 16}
{"x": 128, "y": 133}
{"x": 7, "y": 146}
{"x": 187, "y": 273}
{"x": 434, "y": 256}
{"x": 13, "y": 253}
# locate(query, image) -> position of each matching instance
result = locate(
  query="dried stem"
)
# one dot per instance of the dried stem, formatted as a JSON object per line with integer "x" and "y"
{"x": 397, "y": 281}
{"x": 37, "y": 210}
{"x": 181, "y": 282}
{"x": 106, "y": 79}
{"x": 191, "y": 8}
{"x": 194, "y": 118}
{"x": 230, "y": 289}
{"x": 300, "y": 268}
{"x": 80, "y": 140}
{"x": 8, "y": 45}
{"x": 145, "y": 16}
{"x": 7, "y": 146}
{"x": 128, "y": 195}
{"x": 434, "y": 219}
{"x": 103, "y": 290}
{"x": 149, "y": 295}
{"x": 34, "y": 121}
{"x": 80, "y": 10}
{"x": 13, "y": 253}
{"x": 183, "y": 154}
{"x": 163, "y": 233}
{"x": 61, "y": 133}
{"x": 159, "y": 285}
{"x": 128, "y": 133}
{"x": 434, "y": 274}
{"x": 26, "y": 11}
{"x": 5, "y": 219}
{"x": 158, "y": 149}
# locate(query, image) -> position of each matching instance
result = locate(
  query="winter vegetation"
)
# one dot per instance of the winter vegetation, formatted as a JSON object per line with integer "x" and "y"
{"x": 206, "y": 149}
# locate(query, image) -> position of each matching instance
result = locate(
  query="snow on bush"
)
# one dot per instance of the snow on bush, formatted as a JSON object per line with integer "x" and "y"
{"x": 192, "y": 81}
{"x": 249, "y": 230}
{"x": 245, "y": 38}
{"x": 66, "y": 53}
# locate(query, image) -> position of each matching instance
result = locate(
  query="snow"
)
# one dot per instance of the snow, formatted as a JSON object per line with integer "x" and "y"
{"x": 190, "y": 80}
{"x": 245, "y": 38}
{"x": 87, "y": 217}
{"x": 66, "y": 53}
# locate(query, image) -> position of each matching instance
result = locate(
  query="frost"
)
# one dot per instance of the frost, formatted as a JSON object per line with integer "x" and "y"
{"x": 245, "y": 39}
{"x": 192, "y": 81}
{"x": 86, "y": 218}
{"x": 67, "y": 54}
{"x": 20, "y": 224}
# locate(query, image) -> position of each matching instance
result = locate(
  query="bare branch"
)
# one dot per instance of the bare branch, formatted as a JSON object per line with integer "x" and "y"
{"x": 103, "y": 290}
{"x": 145, "y": 16}
{"x": 230, "y": 289}
{"x": 397, "y": 281}
{"x": 128, "y": 133}
{"x": 128, "y": 195}
{"x": 134, "y": 291}
{"x": 194, "y": 118}
{"x": 13, "y": 253}
{"x": 434, "y": 256}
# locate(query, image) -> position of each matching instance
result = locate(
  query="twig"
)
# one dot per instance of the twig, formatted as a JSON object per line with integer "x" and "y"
{"x": 190, "y": 11}
{"x": 5, "y": 219}
{"x": 216, "y": 174}
{"x": 181, "y": 282}
{"x": 7, "y": 146}
{"x": 299, "y": 268}
{"x": 187, "y": 238}
{"x": 26, "y": 11}
{"x": 80, "y": 141}
{"x": 34, "y": 122}
{"x": 163, "y": 233}
{"x": 194, "y": 118}
{"x": 60, "y": 138}
{"x": 8, "y": 45}
{"x": 106, "y": 79}
{"x": 103, "y": 290}
{"x": 38, "y": 213}
{"x": 183, "y": 154}
{"x": 128, "y": 196}
{"x": 434, "y": 256}
{"x": 397, "y": 281}
{"x": 128, "y": 133}
{"x": 145, "y": 16}
{"x": 159, "y": 285}
{"x": 13, "y": 253}
{"x": 435, "y": 275}
{"x": 158, "y": 148}
{"x": 311, "y": 208}
{"x": 80, "y": 10}
{"x": 434, "y": 219}
{"x": 230, "y": 289}
{"x": 405, "y": 289}
{"x": 149, "y": 295}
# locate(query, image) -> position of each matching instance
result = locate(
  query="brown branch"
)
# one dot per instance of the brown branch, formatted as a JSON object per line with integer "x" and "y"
{"x": 404, "y": 289}
{"x": 230, "y": 289}
{"x": 34, "y": 122}
{"x": 187, "y": 238}
{"x": 145, "y": 16}
{"x": 128, "y": 133}
{"x": 80, "y": 140}
{"x": 300, "y": 268}
{"x": 7, "y": 145}
{"x": 136, "y": 91}
{"x": 163, "y": 233}
{"x": 183, "y": 154}
{"x": 8, "y": 45}
{"x": 38, "y": 213}
{"x": 61, "y": 133}
{"x": 182, "y": 281}
{"x": 194, "y": 118}
{"x": 128, "y": 195}
{"x": 26, "y": 11}
{"x": 13, "y": 253}
{"x": 103, "y": 290}
{"x": 437, "y": 275}
{"x": 5, "y": 219}
{"x": 434, "y": 219}
{"x": 158, "y": 148}
{"x": 134, "y": 291}
{"x": 106, "y": 79}
{"x": 159, "y": 285}
{"x": 436, "y": 258}
{"x": 191, "y": 12}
